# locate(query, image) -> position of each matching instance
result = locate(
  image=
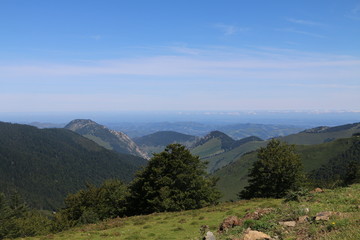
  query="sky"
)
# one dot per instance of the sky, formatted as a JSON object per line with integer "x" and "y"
{"x": 179, "y": 55}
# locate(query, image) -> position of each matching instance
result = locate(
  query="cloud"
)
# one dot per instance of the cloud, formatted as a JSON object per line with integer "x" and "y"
{"x": 267, "y": 63}
{"x": 301, "y": 32}
{"x": 354, "y": 13}
{"x": 229, "y": 29}
{"x": 304, "y": 22}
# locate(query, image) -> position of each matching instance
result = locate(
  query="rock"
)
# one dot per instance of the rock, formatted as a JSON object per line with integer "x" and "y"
{"x": 303, "y": 219}
{"x": 229, "y": 222}
{"x": 323, "y": 216}
{"x": 317, "y": 190}
{"x": 255, "y": 235}
{"x": 209, "y": 236}
{"x": 258, "y": 213}
{"x": 306, "y": 210}
{"x": 288, "y": 223}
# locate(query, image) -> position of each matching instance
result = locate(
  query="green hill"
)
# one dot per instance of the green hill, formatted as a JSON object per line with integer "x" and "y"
{"x": 44, "y": 165}
{"x": 233, "y": 177}
{"x": 219, "y": 149}
{"x": 265, "y": 215}
{"x": 322, "y": 134}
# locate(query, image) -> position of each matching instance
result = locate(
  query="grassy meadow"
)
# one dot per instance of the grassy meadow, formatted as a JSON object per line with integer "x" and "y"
{"x": 343, "y": 224}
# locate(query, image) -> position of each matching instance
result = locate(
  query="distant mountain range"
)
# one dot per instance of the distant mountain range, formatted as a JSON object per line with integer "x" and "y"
{"x": 110, "y": 139}
{"x": 235, "y": 131}
{"x": 44, "y": 165}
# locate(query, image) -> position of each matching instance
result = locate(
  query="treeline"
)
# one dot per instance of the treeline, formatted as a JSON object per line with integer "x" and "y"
{"x": 341, "y": 170}
{"x": 173, "y": 180}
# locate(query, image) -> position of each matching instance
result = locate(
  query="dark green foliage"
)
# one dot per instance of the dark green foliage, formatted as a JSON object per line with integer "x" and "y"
{"x": 16, "y": 220}
{"x": 352, "y": 174}
{"x": 93, "y": 204}
{"x": 277, "y": 170}
{"x": 44, "y": 165}
{"x": 343, "y": 169}
{"x": 173, "y": 180}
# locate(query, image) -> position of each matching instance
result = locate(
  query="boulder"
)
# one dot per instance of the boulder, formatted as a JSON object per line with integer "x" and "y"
{"x": 209, "y": 236}
{"x": 288, "y": 223}
{"x": 255, "y": 235}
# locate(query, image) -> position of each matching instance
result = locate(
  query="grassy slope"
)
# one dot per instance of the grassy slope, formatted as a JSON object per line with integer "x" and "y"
{"x": 186, "y": 224}
{"x": 211, "y": 147}
{"x": 233, "y": 176}
{"x": 317, "y": 138}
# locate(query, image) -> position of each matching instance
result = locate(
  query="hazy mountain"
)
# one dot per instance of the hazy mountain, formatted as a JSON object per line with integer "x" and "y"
{"x": 156, "y": 142}
{"x": 264, "y": 131}
{"x": 105, "y": 137}
{"x": 235, "y": 131}
{"x": 164, "y": 138}
{"x": 44, "y": 165}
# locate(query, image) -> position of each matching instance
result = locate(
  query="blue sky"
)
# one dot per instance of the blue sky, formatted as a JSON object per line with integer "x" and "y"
{"x": 93, "y": 56}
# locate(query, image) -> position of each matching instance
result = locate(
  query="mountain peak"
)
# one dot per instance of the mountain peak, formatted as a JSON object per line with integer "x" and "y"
{"x": 110, "y": 139}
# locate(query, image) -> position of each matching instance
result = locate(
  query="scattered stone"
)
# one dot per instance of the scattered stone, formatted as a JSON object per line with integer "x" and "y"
{"x": 288, "y": 223}
{"x": 229, "y": 222}
{"x": 303, "y": 219}
{"x": 323, "y": 216}
{"x": 209, "y": 236}
{"x": 255, "y": 235}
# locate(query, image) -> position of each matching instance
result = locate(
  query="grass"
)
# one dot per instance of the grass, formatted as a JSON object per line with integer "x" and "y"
{"x": 186, "y": 224}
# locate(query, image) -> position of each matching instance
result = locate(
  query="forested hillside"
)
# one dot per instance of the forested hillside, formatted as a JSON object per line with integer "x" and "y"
{"x": 44, "y": 165}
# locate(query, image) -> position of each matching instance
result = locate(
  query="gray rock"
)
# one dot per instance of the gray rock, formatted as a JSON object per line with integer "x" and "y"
{"x": 209, "y": 236}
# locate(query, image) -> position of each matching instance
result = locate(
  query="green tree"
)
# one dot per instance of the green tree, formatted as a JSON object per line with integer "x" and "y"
{"x": 277, "y": 170}
{"x": 93, "y": 204}
{"x": 173, "y": 180}
{"x": 352, "y": 174}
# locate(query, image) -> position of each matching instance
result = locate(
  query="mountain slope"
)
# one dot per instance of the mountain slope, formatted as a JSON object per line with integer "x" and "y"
{"x": 105, "y": 137}
{"x": 219, "y": 149}
{"x": 44, "y": 165}
{"x": 233, "y": 177}
{"x": 322, "y": 134}
{"x": 264, "y": 131}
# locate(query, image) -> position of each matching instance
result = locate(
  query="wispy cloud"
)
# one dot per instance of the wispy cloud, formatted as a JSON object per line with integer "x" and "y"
{"x": 354, "y": 13}
{"x": 304, "y": 22}
{"x": 301, "y": 32}
{"x": 286, "y": 65}
{"x": 229, "y": 29}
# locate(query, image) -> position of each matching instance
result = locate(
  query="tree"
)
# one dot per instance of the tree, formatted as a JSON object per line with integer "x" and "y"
{"x": 173, "y": 180}
{"x": 93, "y": 204}
{"x": 352, "y": 174}
{"x": 277, "y": 170}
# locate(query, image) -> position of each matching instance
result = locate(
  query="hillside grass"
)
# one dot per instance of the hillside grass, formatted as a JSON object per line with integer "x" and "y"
{"x": 233, "y": 177}
{"x": 186, "y": 224}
